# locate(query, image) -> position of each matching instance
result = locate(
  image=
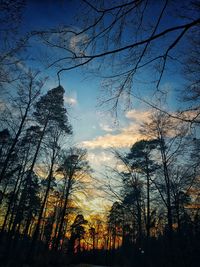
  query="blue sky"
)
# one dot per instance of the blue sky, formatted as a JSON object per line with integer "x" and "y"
{"x": 93, "y": 126}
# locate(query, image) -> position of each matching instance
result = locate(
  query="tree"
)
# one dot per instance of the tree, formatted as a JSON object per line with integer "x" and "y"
{"x": 140, "y": 160}
{"x": 77, "y": 233}
{"x": 123, "y": 34}
{"x": 172, "y": 142}
{"x": 22, "y": 158}
{"x": 54, "y": 136}
{"x": 28, "y": 92}
{"x": 131, "y": 194}
{"x": 116, "y": 222}
{"x": 51, "y": 115}
{"x": 28, "y": 206}
{"x": 4, "y": 141}
{"x": 73, "y": 168}
{"x": 50, "y": 112}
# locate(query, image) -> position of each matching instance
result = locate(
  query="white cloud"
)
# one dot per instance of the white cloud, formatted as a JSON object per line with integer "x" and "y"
{"x": 106, "y": 123}
{"x": 77, "y": 42}
{"x": 125, "y": 138}
{"x": 121, "y": 140}
{"x": 138, "y": 115}
{"x": 71, "y": 100}
{"x": 106, "y": 127}
{"x": 99, "y": 158}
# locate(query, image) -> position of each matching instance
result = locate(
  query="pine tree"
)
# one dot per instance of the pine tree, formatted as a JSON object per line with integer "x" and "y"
{"x": 140, "y": 160}
{"x": 49, "y": 112}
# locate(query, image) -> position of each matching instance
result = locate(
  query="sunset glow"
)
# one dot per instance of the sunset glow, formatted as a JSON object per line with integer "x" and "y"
{"x": 99, "y": 133}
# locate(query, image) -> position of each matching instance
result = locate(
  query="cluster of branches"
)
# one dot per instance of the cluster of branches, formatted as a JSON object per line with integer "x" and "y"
{"x": 121, "y": 42}
{"x": 130, "y": 48}
{"x": 157, "y": 191}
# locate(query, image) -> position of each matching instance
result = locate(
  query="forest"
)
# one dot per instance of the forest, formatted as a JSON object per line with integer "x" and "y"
{"x": 77, "y": 189}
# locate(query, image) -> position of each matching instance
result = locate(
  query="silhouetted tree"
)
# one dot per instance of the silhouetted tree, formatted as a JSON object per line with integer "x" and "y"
{"x": 77, "y": 233}
{"x": 74, "y": 167}
{"x": 140, "y": 159}
{"x": 51, "y": 116}
{"x": 28, "y": 92}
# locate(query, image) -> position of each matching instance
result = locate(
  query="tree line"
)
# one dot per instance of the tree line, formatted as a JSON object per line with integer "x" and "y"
{"x": 154, "y": 187}
{"x": 39, "y": 171}
{"x": 155, "y": 218}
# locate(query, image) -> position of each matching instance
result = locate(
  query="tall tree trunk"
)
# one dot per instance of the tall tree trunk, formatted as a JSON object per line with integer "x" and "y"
{"x": 63, "y": 215}
{"x": 11, "y": 202}
{"x": 148, "y": 197}
{"x": 15, "y": 200}
{"x": 28, "y": 178}
{"x": 28, "y": 222}
{"x": 5, "y": 165}
{"x": 168, "y": 189}
{"x": 18, "y": 188}
{"x": 37, "y": 229}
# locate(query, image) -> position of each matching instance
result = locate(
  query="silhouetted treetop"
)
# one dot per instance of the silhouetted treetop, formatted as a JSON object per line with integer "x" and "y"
{"x": 50, "y": 108}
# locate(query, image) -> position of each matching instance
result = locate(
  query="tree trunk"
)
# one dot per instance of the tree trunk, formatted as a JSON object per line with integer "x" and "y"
{"x": 28, "y": 178}
{"x": 11, "y": 202}
{"x": 148, "y": 198}
{"x": 5, "y": 165}
{"x": 37, "y": 229}
{"x": 168, "y": 189}
{"x": 63, "y": 214}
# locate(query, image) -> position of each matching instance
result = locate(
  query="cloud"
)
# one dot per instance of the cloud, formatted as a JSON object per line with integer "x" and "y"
{"x": 121, "y": 140}
{"x": 77, "y": 42}
{"x": 106, "y": 123}
{"x": 106, "y": 127}
{"x": 191, "y": 115}
{"x": 138, "y": 115}
{"x": 102, "y": 157}
{"x": 127, "y": 135}
{"x": 70, "y": 100}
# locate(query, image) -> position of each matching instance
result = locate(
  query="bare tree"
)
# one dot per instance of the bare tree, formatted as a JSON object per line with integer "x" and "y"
{"x": 28, "y": 91}
{"x": 126, "y": 34}
{"x": 74, "y": 168}
{"x": 172, "y": 143}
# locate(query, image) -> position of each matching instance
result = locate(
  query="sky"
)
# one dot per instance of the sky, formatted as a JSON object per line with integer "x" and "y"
{"x": 94, "y": 127}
